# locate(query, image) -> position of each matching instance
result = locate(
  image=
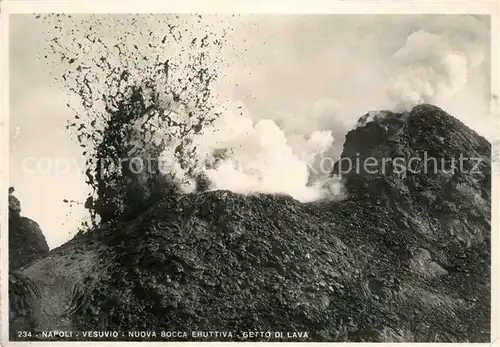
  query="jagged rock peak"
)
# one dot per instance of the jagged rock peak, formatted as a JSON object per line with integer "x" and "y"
{"x": 26, "y": 240}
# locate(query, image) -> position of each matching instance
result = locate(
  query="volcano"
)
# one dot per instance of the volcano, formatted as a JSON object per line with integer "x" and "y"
{"x": 405, "y": 257}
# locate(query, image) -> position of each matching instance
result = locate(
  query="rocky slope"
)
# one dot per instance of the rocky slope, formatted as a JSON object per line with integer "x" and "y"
{"x": 26, "y": 240}
{"x": 405, "y": 257}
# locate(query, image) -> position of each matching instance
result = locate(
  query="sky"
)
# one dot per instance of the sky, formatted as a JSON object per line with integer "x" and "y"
{"x": 302, "y": 81}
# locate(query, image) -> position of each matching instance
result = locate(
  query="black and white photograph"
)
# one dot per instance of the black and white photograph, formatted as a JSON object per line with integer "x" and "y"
{"x": 250, "y": 177}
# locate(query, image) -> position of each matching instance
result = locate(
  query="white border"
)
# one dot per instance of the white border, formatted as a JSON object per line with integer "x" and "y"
{"x": 243, "y": 7}
{"x": 252, "y": 6}
{"x": 495, "y": 186}
{"x": 4, "y": 173}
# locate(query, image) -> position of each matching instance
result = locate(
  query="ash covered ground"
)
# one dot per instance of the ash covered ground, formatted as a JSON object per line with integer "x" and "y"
{"x": 400, "y": 259}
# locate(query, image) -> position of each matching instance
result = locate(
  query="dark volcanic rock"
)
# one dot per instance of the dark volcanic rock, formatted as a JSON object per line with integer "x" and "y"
{"x": 429, "y": 222}
{"x": 26, "y": 240}
{"x": 405, "y": 257}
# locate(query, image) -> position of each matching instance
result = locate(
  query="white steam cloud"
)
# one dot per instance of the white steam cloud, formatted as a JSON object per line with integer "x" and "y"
{"x": 247, "y": 157}
{"x": 433, "y": 67}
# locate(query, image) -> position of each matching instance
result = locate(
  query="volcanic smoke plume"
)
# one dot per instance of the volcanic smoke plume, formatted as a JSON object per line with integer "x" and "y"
{"x": 433, "y": 67}
{"x": 246, "y": 156}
